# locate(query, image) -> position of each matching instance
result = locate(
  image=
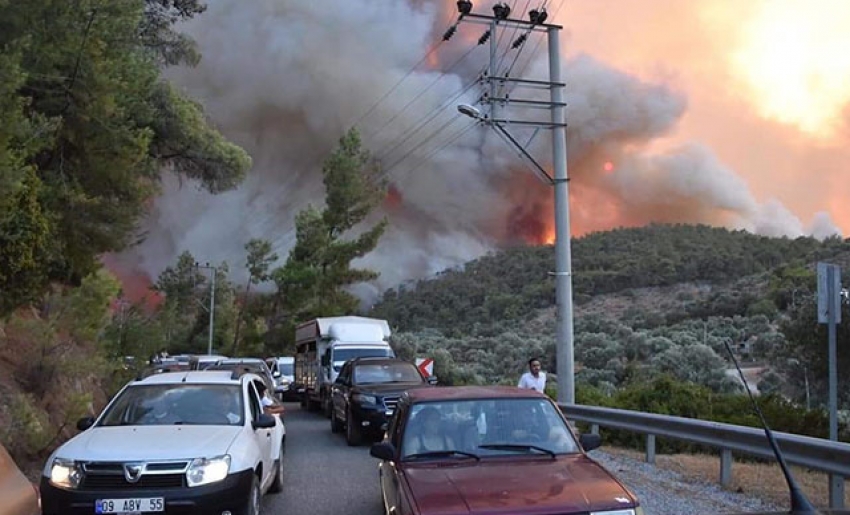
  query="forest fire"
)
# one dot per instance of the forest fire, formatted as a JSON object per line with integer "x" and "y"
{"x": 661, "y": 126}
{"x": 394, "y": 199}
{"x": 136, "y": 286}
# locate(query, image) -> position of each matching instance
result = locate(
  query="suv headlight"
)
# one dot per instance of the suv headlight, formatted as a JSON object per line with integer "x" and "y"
{"x": 204, "y": 471}
{"x": 364, "y": 399}
{"x": 66, "y": 473}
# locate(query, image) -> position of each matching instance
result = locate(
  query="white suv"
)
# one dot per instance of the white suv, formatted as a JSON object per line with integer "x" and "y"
{"x": 178, "y": 442}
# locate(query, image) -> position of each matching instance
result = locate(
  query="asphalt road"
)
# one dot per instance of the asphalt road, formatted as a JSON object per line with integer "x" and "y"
{"x": 322, "y": 474}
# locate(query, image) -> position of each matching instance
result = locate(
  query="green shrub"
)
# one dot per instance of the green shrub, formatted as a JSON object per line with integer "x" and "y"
{"x": 667, "y": 396}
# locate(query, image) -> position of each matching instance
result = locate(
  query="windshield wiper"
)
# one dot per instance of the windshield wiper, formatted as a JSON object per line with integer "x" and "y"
{"x": 517, "y": 447}
{"x": 442, "y": 454}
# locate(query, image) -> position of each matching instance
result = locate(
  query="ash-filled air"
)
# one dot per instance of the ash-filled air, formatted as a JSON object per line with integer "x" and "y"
{"x": 285, "y": 79}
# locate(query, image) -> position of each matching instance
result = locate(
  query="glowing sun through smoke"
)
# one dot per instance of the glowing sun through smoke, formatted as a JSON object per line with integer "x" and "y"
{"x": 794, "y": 58}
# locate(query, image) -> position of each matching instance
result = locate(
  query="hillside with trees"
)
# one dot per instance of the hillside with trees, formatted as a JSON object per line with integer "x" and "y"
{"x": 512, "y": 283}
{"x": 651, "y": 302}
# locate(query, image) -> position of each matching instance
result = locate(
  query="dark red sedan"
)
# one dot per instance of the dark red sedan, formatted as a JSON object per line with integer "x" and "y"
{"x": 491, "y": 450}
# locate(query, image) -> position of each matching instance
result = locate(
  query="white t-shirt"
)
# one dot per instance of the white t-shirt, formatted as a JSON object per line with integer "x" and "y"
{"x": 530, "y": 382}
{"x": 266, "y": 402}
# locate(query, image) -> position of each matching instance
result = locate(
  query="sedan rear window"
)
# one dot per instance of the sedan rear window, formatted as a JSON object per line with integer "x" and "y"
{"x": 189, "y": 404}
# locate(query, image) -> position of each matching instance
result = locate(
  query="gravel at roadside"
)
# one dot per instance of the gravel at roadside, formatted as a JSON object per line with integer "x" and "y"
{"x": 665, "y": 492}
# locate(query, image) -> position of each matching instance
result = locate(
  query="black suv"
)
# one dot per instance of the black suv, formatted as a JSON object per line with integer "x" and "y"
{"x": 365, "y": 394}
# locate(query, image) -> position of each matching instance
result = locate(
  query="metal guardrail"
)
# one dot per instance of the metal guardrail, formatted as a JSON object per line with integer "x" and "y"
{"x": 814, "y": 453}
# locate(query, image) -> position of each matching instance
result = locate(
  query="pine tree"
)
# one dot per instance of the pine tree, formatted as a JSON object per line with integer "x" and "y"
{"x": 318, "y": 269}
{"x": 83, "y": 107}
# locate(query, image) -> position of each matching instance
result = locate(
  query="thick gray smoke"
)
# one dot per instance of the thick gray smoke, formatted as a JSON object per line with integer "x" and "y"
{"x": 286, "y": 78}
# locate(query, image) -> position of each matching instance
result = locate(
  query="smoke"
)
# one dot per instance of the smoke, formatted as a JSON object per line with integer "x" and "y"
{"x": 285, "y": 79}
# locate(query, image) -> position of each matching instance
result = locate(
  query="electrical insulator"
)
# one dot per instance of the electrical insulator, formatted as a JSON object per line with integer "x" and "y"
{"x": 464, "y": 7}
{"x": 519, "y": 41}
{"x": 484, "y": 37}
{"x": 501, "y": 11}
{"x": 538, "y": 17}
{"x": 450, "y": 32}
{"x": 542, "y": 16}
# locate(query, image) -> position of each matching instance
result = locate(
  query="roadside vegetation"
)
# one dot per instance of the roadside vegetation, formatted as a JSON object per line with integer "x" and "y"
{"x": 88, "y": 130}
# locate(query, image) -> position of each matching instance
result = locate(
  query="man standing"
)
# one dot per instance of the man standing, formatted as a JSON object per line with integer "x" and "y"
{"x": 534, "y": 379}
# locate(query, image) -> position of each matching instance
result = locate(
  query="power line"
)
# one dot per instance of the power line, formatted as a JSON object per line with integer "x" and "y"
{"x": 419, "y": 95}
{"x": 422, "y": 143}
{"x": 539, "y": 40}
{"x": 523, "y": 42}
{"x": 433, "y": 49}
{"x": 513, "y": 35}
{"x": 454, "y": 138}
{"x": 409, "y": 133}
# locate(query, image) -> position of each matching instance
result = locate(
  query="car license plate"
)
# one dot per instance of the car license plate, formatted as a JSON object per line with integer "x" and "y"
{"x": 123, "y": 506}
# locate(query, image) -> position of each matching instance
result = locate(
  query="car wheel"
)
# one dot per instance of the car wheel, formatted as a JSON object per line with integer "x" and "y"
{"x": 336, "y": 424}
{"x": 353, "y": 434}
{"x": 254, "y": 497}
{"x": 277, "y": 484}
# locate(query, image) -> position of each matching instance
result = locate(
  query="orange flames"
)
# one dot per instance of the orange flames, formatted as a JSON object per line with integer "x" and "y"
{"x": 394, "y": 198}
{"x": 136, "y": 286}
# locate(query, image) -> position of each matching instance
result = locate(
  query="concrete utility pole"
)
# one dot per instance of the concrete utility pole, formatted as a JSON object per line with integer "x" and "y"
{"x": 212, "y": 303}
{"x": 560, "y": 181}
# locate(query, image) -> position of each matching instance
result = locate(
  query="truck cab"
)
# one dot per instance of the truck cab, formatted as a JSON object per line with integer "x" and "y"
{"x": 323, "y": 345}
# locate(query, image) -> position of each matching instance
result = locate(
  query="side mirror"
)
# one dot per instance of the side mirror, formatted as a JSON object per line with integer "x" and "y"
{"x": 265, "y": 421}
{"x": 590, "y": 441}
{"x": 85, "y": 423}
{"x": 432, "y": 380}
{"x": 383, "y": 451}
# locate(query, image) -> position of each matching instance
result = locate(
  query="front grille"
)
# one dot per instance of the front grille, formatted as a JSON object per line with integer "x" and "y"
{"x": 110, "y": 476}
{"x": 116, "y": 482}
{"x": 390, "y": 403}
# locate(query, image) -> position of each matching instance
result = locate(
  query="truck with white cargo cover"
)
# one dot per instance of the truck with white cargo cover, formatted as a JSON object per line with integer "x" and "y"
{"x": 323, "y": 345}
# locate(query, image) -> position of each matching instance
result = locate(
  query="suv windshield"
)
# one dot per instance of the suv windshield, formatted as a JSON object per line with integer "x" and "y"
{"x": 340, "y": 356}
{"x": 167, "y": 404}
{"x": 486, "y": 427}
{"x": 387, "y": 373}
{"x": 285, "y": 368}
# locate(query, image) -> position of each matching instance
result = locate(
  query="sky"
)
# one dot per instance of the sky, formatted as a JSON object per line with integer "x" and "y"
{"x": 721, "y": 112}
{"x": 767, "y": 82}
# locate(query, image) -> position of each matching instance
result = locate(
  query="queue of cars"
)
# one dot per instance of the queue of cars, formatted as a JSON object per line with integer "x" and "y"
{"x": 199, "y": 441}
{"x": 483, "y": 450}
